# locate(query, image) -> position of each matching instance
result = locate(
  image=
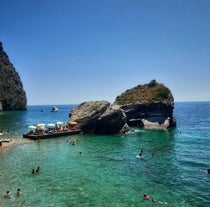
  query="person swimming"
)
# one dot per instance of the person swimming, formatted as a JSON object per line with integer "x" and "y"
{"x": 149, "y": 198}
{"x": 8, "y": 195}
{"x": 37, "y": 169}
{"x": 18, "y": 192}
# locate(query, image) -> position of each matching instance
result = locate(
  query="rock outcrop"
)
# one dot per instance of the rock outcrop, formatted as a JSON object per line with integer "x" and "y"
{"x": 12, "y": 95}
{"x": 99, "y": 117}
{"x": 150, "y": 106}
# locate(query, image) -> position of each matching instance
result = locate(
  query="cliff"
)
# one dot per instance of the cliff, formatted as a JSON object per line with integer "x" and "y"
{"x": 12, "y": 95}
{"x": 150, "y": 106}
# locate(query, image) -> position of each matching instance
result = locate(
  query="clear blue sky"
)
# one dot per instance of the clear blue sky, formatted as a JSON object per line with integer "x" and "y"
{"x": 71, "y": 51}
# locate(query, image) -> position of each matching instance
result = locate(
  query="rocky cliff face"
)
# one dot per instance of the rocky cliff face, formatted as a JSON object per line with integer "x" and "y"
{"x": 152, "y": 102}
{"x": 12, "y": 95}
{"x": 99, "y": 117}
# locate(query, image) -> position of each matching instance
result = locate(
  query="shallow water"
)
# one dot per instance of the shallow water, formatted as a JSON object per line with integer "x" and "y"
{"x": 108, "y": 172}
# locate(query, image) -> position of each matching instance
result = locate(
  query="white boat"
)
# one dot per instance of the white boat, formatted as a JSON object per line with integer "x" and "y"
{"x": 54, "y": 109}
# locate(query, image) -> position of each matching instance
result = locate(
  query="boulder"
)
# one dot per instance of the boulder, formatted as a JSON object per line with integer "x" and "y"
{"x": 99, "y": 117}
{"x": 12, "y": 95}
{"x": 152, "y": 102}
{"x": 112, "y": 121}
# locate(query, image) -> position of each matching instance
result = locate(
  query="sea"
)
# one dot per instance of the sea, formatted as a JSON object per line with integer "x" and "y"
{"x": 107, "y": 173}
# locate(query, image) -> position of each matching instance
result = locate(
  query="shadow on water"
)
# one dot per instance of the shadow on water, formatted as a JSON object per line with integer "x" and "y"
{"x": 12, "y": 121}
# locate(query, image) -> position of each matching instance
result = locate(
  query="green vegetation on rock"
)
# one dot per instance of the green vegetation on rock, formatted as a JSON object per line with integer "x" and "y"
{"x": 151, "y": 92}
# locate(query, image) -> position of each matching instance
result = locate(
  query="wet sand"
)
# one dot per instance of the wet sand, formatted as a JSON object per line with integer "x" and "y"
{"x": 14, "y": 142}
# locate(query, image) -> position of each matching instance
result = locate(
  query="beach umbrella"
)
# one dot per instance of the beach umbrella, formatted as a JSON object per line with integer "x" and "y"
{"x": 41, "y": 125}
{"x": 32, "y": 127}
{"x": 73, "y": 123}
{"x": 59, "y": 123}
{"x": 51, "y": 125}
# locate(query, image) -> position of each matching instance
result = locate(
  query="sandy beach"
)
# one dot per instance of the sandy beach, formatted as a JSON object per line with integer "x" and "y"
{"x": 6, "y": 144}
{"x": 14, "y": 142}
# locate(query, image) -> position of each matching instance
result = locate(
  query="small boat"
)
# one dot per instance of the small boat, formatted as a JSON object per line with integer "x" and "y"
{"x": 51, "y": 134}
{"x": 54, "y": 109}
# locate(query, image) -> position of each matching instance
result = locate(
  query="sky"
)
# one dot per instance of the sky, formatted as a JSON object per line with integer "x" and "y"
{"x": 72, "y": 51}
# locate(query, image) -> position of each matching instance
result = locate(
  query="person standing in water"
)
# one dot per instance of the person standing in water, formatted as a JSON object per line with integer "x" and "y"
{"x": 141, "y": 154}
{"x": 18, "y": 193}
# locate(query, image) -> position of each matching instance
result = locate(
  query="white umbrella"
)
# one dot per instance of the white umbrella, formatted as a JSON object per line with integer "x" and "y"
{"x": 51, "y": 125}
{"x": 42, "y": 126}
{"x": 59, "y": 123}
{"x": 73, "y": 123}
{"x": 32, "y": 127}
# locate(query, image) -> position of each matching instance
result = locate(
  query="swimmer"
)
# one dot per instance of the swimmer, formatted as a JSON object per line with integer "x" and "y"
{"x": 18, "y": 192}
{"x": 149, "y": 198}
{"x": 37, "y": 169}
{"x": 8, "y": 195}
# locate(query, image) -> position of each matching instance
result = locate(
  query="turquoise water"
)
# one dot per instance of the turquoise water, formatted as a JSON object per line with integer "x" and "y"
{"x": 108, "y": 172}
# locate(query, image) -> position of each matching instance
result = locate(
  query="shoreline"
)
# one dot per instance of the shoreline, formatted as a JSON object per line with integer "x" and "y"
{"x": 14, "y": 142}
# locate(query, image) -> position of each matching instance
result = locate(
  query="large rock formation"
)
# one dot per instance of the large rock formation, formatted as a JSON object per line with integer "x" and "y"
{"x": 12, "y": 95}
{"x": 150, "y": 106}
{"x": 99, "y": 117}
